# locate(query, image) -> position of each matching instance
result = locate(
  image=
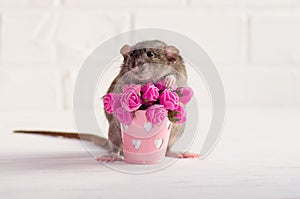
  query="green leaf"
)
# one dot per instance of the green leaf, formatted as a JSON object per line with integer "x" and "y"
{"x": 172, "y": 114}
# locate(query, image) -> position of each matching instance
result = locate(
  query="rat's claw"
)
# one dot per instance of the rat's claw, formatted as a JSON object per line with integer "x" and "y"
{"x": 170, "y": 81}
{"x": 109, "y": 158}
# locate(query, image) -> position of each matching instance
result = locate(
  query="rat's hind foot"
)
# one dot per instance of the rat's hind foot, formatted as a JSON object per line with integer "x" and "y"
{"x": 182, "y": 155}
{"x": 173, "y": 154}
{"x": 109, "y": 158}
{"x": 190, "y": 155}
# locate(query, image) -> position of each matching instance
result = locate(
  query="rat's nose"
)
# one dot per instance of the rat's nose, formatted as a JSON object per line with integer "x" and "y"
{"x": 135, "y": 69}
{"x": 139, "y": 62}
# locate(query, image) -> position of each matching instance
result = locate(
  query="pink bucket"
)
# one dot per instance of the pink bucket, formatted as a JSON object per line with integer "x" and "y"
{"x": 144, "y": 143}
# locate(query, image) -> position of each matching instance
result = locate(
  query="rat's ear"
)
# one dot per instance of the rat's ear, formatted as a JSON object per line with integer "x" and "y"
{"x": 125, "y": 49}
{"x": 172, "y": 53}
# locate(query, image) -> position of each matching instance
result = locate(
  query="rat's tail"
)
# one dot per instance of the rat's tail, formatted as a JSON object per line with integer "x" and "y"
{"x": 100, "y": 141}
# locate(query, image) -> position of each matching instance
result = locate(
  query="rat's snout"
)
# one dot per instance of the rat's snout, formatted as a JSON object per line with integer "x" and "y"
{"x": 138, "y": 66}
{"x": 139, "y": 62}
{"x": 135, "y": 69}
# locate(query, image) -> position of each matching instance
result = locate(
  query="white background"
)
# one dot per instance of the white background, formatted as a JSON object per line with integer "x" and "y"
{"x": 255, "y": 45}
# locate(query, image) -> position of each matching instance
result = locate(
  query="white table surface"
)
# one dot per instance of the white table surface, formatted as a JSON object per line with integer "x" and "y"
{"x": 258, "y": 156}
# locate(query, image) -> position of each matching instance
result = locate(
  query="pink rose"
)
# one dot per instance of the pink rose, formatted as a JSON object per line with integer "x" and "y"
{"x": 111, "y": 102}
{"x": 150, "y": 93}
{"x": 161, "y": 84}
{"x": 169, "y": 99}
{"x": 156, "y": 113}
{"x": 185, "y": 94}
{"x": 123, "y": 116}
{"x": 177, "y": 116}
{"x": 131, "y": 99}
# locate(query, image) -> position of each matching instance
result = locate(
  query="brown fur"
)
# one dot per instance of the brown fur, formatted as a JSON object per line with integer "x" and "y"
{"x": 136, "y": 57}
{"x": 166, "y": 62}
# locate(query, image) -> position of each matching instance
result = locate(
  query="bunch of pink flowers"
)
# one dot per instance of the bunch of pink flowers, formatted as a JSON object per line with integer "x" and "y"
{"x": 158, "y": 101}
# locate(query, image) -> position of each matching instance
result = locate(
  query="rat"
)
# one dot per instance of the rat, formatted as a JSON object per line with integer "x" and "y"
{"x": 146, "y": 61}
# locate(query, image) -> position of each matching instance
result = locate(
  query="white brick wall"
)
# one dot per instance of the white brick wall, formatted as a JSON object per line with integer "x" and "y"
{"x": 254, "y": 43}
{"x": 27, "y": 88}
{"x": 219, "y": 35}
{"x": 19, "y": 45}
{"x": 78, "y": 33}
{"x": 259, "y": 87}
{"x": 296, "y": 76}
{"x": 128, "y": 3}
{"x": 242, "y": 3}
{"x": 12, "y": 2}
{"x": 275, "y": 39}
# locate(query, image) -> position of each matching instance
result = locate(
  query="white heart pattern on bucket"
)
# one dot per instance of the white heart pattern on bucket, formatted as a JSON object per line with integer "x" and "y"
{"x": 168, "y": 124}
{"x": 136, "y": 143}
{"x": 158, "y": 142}
{"x": 125, "y": 127}
{"x": 147, "y": 126}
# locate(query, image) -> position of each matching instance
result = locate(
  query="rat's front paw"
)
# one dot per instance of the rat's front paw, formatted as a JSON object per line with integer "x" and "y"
{"x": 170, "y": 81}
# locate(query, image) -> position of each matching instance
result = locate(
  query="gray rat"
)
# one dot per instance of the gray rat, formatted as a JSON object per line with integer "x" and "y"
{"x": 146, "y": 61}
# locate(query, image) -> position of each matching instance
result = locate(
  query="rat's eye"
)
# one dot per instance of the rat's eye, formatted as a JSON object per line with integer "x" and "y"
{"x": 150, "y": 54}
{"x": 131, "y": 54}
